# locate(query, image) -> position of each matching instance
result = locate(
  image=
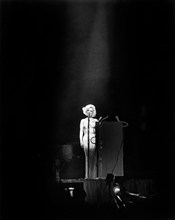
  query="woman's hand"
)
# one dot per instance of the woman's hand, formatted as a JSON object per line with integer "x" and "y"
{"x": 81, "y": 143}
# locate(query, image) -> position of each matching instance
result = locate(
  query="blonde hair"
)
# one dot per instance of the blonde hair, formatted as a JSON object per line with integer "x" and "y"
{"x": 87, "y": 107}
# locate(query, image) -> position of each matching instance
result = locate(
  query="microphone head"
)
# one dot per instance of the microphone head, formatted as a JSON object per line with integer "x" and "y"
{"x": 117, "y": 118}
{"x": 100, "y": 118}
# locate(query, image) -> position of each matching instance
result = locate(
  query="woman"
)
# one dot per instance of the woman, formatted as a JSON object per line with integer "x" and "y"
{"x": 88, "y": 140}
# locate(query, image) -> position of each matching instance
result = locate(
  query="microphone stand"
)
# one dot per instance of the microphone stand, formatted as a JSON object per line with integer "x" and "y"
{"x": 88, "y": 145}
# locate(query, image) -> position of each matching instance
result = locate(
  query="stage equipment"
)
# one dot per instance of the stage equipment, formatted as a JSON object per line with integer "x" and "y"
{"x": 70, "y": 190}
{"x": 109, "y": 148}
{"x": 116, "y": 188}
{"x": 122, "y": 197}
{"x": 68, "y": 161}
{"x": 114, "y": 191}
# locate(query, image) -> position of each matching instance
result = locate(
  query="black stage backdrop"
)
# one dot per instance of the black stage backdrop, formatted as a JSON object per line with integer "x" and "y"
{"x": 44, "y": 47}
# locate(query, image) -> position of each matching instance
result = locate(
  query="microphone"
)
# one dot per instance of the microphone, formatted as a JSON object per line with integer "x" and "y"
{"x": 117, "y": 118}
{"x": 100, "y": 118}
{"x": 105, "y": 118}
{"x": 89, "y": 115}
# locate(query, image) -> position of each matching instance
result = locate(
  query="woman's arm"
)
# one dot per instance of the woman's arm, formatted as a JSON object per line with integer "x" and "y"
{"x": 81, "y": 133}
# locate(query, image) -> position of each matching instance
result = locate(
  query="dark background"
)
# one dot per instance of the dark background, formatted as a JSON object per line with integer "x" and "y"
{"x": 39, "y": 40}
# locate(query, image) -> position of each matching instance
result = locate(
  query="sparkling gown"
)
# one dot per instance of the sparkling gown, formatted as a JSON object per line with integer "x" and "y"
{"x": 91, "y": 158}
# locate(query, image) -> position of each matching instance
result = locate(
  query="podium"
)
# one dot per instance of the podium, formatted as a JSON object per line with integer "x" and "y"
{"x": 110, "y": 149}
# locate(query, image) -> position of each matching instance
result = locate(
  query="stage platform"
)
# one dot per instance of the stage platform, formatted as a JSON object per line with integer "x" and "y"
{"x": 92, "y": 195}
{"x": 97, "y": 192}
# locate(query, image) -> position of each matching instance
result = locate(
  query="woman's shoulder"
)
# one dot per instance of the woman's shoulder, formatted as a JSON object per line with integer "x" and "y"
{"x": 83, "y": 120}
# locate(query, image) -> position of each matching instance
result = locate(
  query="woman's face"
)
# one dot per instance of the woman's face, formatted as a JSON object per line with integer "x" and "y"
{"x": 90, "y": 112}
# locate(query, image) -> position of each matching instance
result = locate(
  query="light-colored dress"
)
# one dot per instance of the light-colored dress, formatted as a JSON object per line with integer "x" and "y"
{"x": 91, "y": 155}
